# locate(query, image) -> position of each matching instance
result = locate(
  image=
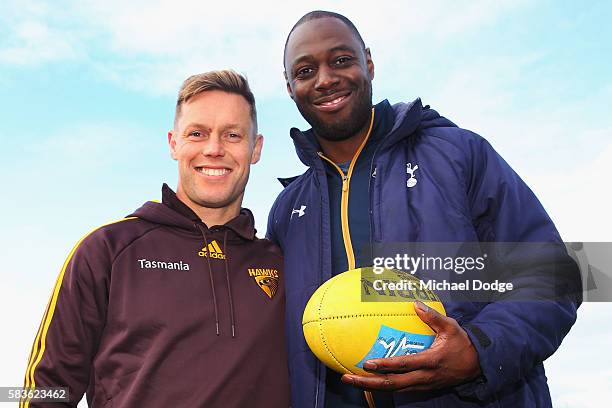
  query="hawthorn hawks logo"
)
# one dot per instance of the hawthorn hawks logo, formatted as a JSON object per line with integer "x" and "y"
{"x": 266, "y": 279}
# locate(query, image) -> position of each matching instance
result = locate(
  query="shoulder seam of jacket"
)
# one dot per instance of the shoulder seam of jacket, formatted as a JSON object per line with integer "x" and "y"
{"x": 127, "y": 245}
{"x": 434, "y": 134}
{"x": 295, "y": 182}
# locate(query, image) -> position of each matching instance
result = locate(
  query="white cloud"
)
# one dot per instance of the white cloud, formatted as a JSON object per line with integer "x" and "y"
{"x": 153, "y": 46}
{"x": 180, "y": 38}
{"x": 579, "y": 373}
{"x": 35, "y": 43}
{"x": 34, "y": 36}
{"x": 577, "y": 196}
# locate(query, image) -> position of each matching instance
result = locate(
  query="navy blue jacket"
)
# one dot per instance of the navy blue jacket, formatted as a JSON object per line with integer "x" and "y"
{"x": 465, "y": 193}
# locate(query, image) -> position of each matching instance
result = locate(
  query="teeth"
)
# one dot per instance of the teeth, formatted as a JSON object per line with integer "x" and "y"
{"x": 213, "y": 172}
{"x": 335, "y": 101}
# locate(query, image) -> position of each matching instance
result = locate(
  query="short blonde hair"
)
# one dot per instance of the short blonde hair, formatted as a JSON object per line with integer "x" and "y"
{"x": 225, "y": 80}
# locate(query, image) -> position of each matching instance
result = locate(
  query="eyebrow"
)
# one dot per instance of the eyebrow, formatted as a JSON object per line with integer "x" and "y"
{"x": 342, "y": 48}
{"x": 233, "y": 126}
{"x": 207, "y": 128}
{"x": 193, "y": 125}
{"x": 337, "y": 48}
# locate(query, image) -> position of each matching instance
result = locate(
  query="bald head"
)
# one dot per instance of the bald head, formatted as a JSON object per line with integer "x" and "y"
{"x": 317, "y": 14}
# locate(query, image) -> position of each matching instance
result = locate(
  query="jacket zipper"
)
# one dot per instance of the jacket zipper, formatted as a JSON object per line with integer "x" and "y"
{"x": 346, "y": 234}
{"x": 344, "y": 203}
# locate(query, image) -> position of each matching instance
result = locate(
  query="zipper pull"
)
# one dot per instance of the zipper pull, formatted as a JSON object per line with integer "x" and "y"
{"x": 344, "y": 183}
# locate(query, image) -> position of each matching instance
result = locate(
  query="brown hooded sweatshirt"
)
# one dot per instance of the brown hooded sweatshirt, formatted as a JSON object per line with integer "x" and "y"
{"x": 158, "y": 310}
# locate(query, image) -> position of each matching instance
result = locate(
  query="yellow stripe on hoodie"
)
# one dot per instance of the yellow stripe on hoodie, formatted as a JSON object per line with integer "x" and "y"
{"x": 36, "y": 354}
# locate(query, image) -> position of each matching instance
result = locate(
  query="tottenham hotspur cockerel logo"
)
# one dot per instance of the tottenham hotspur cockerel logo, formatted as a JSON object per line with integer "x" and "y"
{"x": 412, "y": 181}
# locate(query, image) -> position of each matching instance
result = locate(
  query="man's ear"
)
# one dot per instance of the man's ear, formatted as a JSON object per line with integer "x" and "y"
{"x": 369, "y": 63}
{"x": 256, "y": 155}
{"x": 172, "y": 144}
{"x": 289, "y": 91}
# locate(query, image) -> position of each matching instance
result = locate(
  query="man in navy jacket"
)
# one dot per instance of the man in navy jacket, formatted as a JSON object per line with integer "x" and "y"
{"x": 403, "y": 173}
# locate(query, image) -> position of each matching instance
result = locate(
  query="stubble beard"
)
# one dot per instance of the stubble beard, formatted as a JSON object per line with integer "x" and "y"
{"x": 199, "y": 195}
{"x": 342, "y": 129}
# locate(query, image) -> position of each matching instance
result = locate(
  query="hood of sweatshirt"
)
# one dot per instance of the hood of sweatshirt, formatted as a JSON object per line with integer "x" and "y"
{"x": 173, "y": 212}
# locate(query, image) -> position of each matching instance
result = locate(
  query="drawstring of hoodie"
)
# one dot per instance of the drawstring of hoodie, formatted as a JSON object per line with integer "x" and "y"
{"x": 229, "y": 286}
{"x": 212, "y": 280}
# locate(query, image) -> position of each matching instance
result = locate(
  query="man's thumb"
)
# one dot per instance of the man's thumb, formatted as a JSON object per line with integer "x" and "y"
{"x": 430, "y": 316}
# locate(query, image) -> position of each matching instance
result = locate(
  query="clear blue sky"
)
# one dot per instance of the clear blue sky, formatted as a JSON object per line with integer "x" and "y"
{"x": 88, "y": 92}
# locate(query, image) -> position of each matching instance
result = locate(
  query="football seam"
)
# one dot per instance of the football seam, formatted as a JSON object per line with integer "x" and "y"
{"x": 323, "y": 335}
{"x": 357, "y": 315}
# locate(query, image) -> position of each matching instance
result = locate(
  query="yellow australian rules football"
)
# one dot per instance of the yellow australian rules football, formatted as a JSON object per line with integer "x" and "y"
{"x": 359, "y": 315}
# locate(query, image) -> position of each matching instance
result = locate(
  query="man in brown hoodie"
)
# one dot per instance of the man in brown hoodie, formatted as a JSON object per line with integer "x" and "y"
{"x": 178, "y": 304}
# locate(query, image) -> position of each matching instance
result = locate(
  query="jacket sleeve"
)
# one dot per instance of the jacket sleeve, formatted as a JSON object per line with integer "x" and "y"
{"x": 68, "y": 336}
{"x": 514, "y": 334}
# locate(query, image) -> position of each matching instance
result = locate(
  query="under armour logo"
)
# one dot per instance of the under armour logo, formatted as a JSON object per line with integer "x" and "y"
{"x": 299, "y": 212}
{"x": 410, "y": 170}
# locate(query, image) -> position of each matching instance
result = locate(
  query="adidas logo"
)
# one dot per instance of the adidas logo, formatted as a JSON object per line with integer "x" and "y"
{"x": 214, "y": 250}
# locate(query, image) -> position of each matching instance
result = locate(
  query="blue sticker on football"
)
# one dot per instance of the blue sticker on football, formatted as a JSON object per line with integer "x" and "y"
{"x": 392, "y": 343}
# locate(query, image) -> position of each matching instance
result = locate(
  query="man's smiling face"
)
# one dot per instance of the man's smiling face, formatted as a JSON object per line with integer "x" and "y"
{"x": 329, "y": 77}
{"x": 214, "y": 145}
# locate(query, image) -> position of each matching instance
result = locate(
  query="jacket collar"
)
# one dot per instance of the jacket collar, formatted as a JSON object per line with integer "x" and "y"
{"x": 408, "y": 117}
{"x": 170, "y": 199}
{"x": 391, "y": 123}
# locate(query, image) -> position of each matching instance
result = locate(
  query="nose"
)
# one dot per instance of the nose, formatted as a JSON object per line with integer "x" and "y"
{"x": 326, "y": 78}
{"x": 213, "y": 147}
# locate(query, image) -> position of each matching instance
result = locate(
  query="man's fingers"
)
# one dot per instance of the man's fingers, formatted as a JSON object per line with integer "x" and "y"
{"x": 435, "y": 320}
{"x": 390, "y": 382}
{"x": 403, "y": 364}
